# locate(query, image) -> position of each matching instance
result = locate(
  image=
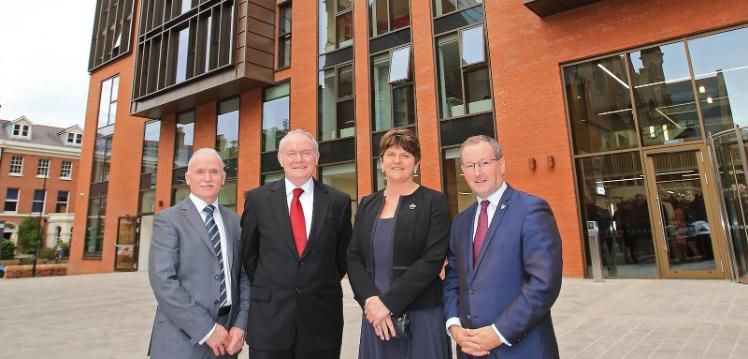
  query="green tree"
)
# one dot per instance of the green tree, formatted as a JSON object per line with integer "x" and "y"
{"x": 7, "y": 250}
{"x": 28, "y": 234}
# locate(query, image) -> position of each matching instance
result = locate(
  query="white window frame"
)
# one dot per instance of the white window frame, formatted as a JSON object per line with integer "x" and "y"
{"x": 19, "y": 166}
{"x": 40, "y": 167}
{"x": 70, "y": 170}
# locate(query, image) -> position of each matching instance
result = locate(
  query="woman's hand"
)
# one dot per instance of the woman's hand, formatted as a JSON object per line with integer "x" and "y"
{"x": 375, "y": 311}
{"x": 386, "y": 329}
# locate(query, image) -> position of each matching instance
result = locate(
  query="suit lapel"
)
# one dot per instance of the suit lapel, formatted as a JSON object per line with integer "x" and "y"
{"x": 278, "y": 203}
{"x": 320, "y": 204}
{"x": 196, "y": 221}
{"x": 498, "y": 215}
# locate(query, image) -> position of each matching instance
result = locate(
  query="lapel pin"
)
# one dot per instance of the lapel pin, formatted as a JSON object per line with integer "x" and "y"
{"x": 503, "y": 206}
{"x": 412, "y": 206}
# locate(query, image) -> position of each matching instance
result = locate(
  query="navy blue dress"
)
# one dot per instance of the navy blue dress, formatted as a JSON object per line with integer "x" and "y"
{"x": 428, "y": 334}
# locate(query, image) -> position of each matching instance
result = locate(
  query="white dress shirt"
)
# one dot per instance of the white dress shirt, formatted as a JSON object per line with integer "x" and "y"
{"x": 200, "y": 205}
{"x": 493, "y": 203}
{"x": 306, "y": 199}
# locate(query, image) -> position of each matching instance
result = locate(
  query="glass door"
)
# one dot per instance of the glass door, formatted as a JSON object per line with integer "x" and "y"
{"x": 126, "y": 257}
{"x": 686, "y": 222}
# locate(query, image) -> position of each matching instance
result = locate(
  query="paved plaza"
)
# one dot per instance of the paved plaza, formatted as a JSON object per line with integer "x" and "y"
{"x": 110, "y": 316}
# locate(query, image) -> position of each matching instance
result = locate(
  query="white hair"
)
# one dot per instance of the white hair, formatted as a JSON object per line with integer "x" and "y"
{"x": 207, "y": 151}
{"x": 298, "y": 132}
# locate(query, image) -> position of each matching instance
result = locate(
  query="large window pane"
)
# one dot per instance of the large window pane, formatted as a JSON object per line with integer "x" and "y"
{"x": 599, "y": 106}
{"x": 94, "y": 240}
{"x": 345, "y": 29}
{"x": 335, "y": 24}
{"x": 343, "y": 178}
{"x": 275, "y": 116}
{"x": 227, "y": 196}
{"x": 450, "y": 77}
{"x": 400, "y": 64}
{"x": 184, "y": 138}
{"x": 399, "y": 14}
{"x": 227, "y": 129}
{"x": 458, "y": 192}
{"x": 336, "y": 110}
{"x": 183, "y": 39}
{"x": 345, "y": 83}
{"x": 442, "y": 7}
{"x": 403, "y": 103}
{"x": 284, "y": 36}
{"x": 472, "y": 46}
{"x": 478, "y": 90}
{"x": 612, "y": 193}
{"x": 720, "y": 64}
{"x": 379, "y": 19}
{"x": 382, "y": 106}
{"x": 328, "y": 101}
{"x": 664, "y": 95}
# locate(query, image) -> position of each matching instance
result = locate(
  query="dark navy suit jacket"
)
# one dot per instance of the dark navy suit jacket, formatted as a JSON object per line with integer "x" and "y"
{"x": 516, "y": 279}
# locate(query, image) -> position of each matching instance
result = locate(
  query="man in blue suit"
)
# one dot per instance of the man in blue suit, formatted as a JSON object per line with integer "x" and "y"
{"x": 504, "y": 265}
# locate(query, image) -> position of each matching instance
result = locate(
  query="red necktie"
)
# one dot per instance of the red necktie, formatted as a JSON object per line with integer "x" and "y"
{"x": 480, "y": 231}
{"x": 298, "y": 224}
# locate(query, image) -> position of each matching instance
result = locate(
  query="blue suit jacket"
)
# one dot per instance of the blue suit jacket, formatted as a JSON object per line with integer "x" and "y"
{"x": 516, "y": 279}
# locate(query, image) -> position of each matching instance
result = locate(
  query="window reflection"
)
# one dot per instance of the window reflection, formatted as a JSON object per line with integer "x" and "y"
{"x": 458, "y": 192}
{"x": 227, "y": 135}
{"x": 442, "y": 7}
{"x": 463, "y": 75}
{"x": 184, "y": 138}
{"x": 612, "y": 192}
{"x": 720, "y": 65}
{"x": 343, "y": 178}
{"x": 393, "y": 99}
{"x": 664, "y": 95}
{"x": 275, "y": 116}
{"x": 336, "y": 110}
{"x": 599, "y": 106}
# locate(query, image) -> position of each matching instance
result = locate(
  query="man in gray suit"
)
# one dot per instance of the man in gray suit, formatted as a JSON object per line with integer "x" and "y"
{"x": 196, "y": 272}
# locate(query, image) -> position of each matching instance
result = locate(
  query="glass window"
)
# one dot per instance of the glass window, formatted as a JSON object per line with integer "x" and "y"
{"x": 275, "y": 116}
{"x": 148, "y": 167}
{"x": 66, "y": 170}
{"x": 400, "y": 64}
{"x": 184, "y": 138}
{"x": 16, "y": 165}
{"x": 473, "y": 50}
{"x": 458, "y": 192}
{"x": 270, "y": 177}
{"x": 11, "y": 200}
{"x": 284, "y": 36}
{"x": 227, "y": 196}
{"x": 183, "y": 49}
{"x": 43, "y": 168}
{"x": 336, "y": 103}
{"x": 442, "y": 7}
{"x": 463, "y": 75}
{"x": 186, "y": 6}
{"x": 179, "y": 193}
{"x": 227, "y": 134}
{"x": 720, "y": 65}
{"x": 599, "y": 106}
{"x": 343, "y": 178}
{"x": 102, "y": 158}
{"x": 108, "y": 101}
{"x": 16, "y": 130}
{"x": 62, "y": 202}
{"x": 112, "y": 30}
{"x": 663, "y": 94}
{"x": 388, "y": 15}
{"x": 37, "y": 205}
{"x": 94, "y": 240}
{"x": 335, "y": 24}
{"x": 393, "y": 103}
{"x": 612, "y": 192}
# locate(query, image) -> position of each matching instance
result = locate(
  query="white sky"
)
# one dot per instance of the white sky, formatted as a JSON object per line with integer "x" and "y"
{"x": 44, "y": 48}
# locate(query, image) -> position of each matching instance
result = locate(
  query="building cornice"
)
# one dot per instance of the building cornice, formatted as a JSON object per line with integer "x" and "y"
{"x": 37, "y": 149}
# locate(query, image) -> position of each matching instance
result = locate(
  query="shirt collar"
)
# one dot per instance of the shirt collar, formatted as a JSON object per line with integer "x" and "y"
{"x": 495, "y": 197}
{"x": 200, "y": 204}
{"x": 308, "y": 186}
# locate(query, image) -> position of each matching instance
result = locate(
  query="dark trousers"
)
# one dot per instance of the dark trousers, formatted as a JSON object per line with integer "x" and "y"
{"x": 293, "y": 353}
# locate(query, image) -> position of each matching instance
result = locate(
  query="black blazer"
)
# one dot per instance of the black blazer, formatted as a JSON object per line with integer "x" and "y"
{"x": 421, "y": 238}
{"x": 289, "y": 292}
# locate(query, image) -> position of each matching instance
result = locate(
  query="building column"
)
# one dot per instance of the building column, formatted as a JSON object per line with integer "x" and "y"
{"x": 250, "y": 129}
{"x": 361, "y": 81}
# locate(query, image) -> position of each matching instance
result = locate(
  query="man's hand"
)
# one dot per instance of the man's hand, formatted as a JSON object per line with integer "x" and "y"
{"x": 234, "y": 341}
{"x": 485, "y": 338}
{"x": 459, "y": 334}
{"x": 217, "y": 339}
{"x": 375, "y": 311}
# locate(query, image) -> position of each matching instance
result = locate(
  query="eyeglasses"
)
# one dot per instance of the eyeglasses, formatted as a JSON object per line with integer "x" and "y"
{"x": 481, "y": 164}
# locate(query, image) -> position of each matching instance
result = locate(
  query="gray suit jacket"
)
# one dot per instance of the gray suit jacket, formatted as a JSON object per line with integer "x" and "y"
{"x": 183, "y": 272}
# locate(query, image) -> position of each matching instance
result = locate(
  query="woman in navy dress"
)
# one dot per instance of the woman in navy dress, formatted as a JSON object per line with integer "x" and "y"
{"x": 396, "y": 254}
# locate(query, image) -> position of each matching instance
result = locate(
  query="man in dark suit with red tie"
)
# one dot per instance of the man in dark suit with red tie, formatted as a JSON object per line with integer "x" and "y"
{"x": 295, "y": 233}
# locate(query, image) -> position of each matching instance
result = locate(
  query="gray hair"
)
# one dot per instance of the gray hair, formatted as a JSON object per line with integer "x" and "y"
{"x": 207, "y": 151}
{"x": 298, "y": 132}
{"x": 474, "y": 140}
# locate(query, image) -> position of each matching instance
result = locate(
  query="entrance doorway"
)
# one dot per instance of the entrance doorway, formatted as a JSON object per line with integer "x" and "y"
{"x": 686, "y": 224}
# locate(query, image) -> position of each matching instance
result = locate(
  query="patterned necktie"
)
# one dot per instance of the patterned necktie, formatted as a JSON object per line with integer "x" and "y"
{"x": 298, "y": 224}
{"x": 215, "y": 238}
{"x": 480, "y": 231}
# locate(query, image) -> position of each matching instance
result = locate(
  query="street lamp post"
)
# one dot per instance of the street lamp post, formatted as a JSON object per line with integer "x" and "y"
{"x": 39, "y": 229}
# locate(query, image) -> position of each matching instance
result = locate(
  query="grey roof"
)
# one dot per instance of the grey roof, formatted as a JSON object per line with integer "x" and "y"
{"x": 40, "y": 135}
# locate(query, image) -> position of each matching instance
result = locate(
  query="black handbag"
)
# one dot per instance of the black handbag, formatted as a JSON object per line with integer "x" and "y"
{"x": 402, "y": 326}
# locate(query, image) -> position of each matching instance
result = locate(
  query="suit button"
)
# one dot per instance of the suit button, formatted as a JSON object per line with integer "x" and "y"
{"x": 468, "y": 317}
{"x": 302, "y": 262}
{"x": 298, "y": 291}
{"x": 218, "y": 277}
{"x": 471, "y": 291}
{"x": 216, "y": 302}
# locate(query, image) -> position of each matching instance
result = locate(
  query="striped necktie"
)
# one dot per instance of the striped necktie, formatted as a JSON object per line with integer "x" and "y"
{"x": 215, "y": 238}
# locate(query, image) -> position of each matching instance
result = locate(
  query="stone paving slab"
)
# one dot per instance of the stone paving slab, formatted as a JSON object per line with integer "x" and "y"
{"x": 110, "y": 316}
